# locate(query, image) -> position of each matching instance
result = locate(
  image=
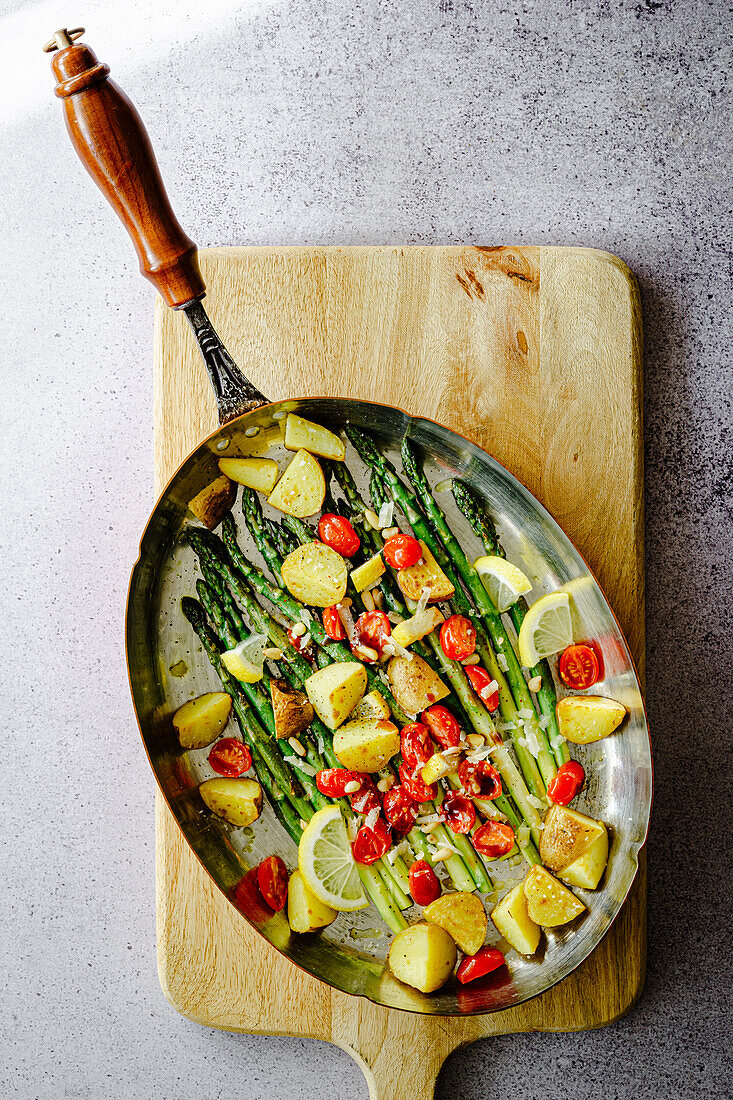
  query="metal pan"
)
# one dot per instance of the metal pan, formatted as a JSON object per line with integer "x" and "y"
{"x": 167, "y": 667}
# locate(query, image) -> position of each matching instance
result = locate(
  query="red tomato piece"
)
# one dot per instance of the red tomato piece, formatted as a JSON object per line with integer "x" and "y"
{"x": 483, "y": 962}
{"x": 424, "y": 883}
{"x": 296, "y": 641}
{"x": 332, "y": 624}
{"x": 368, "y": 797}
{"x": 416, "y": 745}
{"x": 247, "y": 897}
{"x": 567, "y": 783}
{"x": 374, "y": 629}
{"x": 481, "y": 683}
{"x": 578, "y": 667}
{"x": 230, "y": 757}
{"x": 399, "y": 809}
{"x": 458, "y": 637}
{"x": 494, "y": 839}
{"x": 479, "y": 779}
{"x": 272, "y": 879}
{"x": 371, "y": 844}
{"x": 402, "y": 551}
{"x": 337, "y": 532}
{"x": 331, "y": 781}
{"x": 415, "y": 788}
{"x": 442, "y": 725}
{"x": 459, "y": 812}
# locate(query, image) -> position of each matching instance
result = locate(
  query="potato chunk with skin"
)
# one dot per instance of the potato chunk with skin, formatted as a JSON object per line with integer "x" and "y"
{"x": 238, "y": 801}
{"x": 305, "y": 912}
{"x": 200, "y": 721}
{"x": 423, "y": 956}
{"x": 463, "y": 916}
{"x": 587, "y": 870}
{"x": 372, "y": 705}
{"x": 212, "y": 503}
{"x": 335, "y": 690}
{"x": 586, "y": 718}
{"x": 426, "y": 574}
{"x": 366, "y": 744}
{"x": 513, "y": 922}
{"x": 255, "y": 473}
{"x": 414, "y": 684}
{"x": 301, "y": 433}
{"x": 315, "y": 574}
{"x": 566, "y": 835}
{"x": 302, "y": 488}
{"x": 291, "y": 709}
{"x": 549, "y": 903}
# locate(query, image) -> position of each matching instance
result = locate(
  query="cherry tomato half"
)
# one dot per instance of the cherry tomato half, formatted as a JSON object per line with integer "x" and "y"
{"x": 424, "y": 883}
{"x": 416, "y": 745}
{"x": 247, "y": 897}
{"x": 399, "y": 809}
{"x": 481, "y": 683}
{"x": 367, "y": 797}
{"x": 402, "y": 551}
{"x": 567, "y": 783}
{"x": 296, "y": 641}
{"x": 479, "y": 779}
{"x": 337, "y": 532}
{"x": 483, "y": 962}
{"x": 230, "y": 757}
{"x": 332, "y": 624}
{"x": 494, "y": 839}
{"x": 331, "y": 781}
{"x": 415, "y": 788}
{"x": 578, "y": 667}
{"x": 442, "y": 725}
{"x": 459, "y": 812}
{"x": 458, "y": 637}
{"x": 374, "y": 629}
{"x": 272, "y": 879}
{"x": 371, "y": 844}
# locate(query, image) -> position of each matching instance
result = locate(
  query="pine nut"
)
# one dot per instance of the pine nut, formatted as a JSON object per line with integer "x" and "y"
{"x": 475, "y": 740}
{"x": 367, "y": 599}
{"x": 474, "y": 659}
{"x": 535, "y": 683}
{"x": 296, "y": 746}
{"x": 273, "y": 653}
{"x": 298, "y": 630}
{"x": 385, "y": 784}
{"x": 430, "y": 827}
{"x": 303, "y": 824}
{"x": 372, "y": 519}
{"x": 346, "y": 602}
{"x": 352, "y": 787}
{"x": 390, "y": 532}
{"x": 441, "y": 854}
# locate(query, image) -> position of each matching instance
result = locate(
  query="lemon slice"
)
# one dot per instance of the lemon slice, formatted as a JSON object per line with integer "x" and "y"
{"x": 326, "y": 862}
{"x": 504, "y": 582}
{"x": 547, "y": 628}
{"x": 245, "y": 661}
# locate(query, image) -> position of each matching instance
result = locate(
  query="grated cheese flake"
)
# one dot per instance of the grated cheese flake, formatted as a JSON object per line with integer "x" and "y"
{"x": 502, "y": 662}
{"x": 385, "y": 514}
{"x": 296, "y": 762}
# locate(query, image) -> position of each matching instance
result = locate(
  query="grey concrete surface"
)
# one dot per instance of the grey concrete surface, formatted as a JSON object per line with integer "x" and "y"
{"x": 600, "y": 123}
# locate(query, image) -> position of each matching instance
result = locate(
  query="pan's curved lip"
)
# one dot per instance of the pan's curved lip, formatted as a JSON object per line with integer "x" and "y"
{"x": 633, "y": 849}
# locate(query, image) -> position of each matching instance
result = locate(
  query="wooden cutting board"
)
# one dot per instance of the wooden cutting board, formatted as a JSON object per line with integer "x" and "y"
{"x": 535, "y": 354}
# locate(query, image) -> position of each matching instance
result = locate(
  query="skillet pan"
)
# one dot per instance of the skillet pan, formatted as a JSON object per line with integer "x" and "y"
{"x": 166, "y": 668}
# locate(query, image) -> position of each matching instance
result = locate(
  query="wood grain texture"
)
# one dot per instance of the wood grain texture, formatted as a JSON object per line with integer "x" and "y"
{"x": 535, "y": 354}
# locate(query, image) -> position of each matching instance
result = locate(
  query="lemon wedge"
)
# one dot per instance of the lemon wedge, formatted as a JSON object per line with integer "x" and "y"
{"x": 246, "y": 660}
{"x": 547, "y": 628}
{"x": 326, "y": 863}
{"x": 504, "y": 582}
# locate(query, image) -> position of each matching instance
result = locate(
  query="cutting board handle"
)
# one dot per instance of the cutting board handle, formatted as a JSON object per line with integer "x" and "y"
{"x": 113, "y": 145}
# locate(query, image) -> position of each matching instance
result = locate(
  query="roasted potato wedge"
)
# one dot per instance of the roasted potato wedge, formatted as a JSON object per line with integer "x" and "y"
{"x": 365, "y": 745}
{"x": 366, "y": 575}
{"x": 414, "y": 684}
{"x": 372, "y": 705}
{"x": 335, "y": 690}
{"x": 566, "y": 836}
{"x": 549, "y": 903}
{"x": 238, "y": 801}
{"x": 463, "y": 917}
{"x": 426, "y": 574}
{"x": 305, "y": 435}
{"x": 315, "y": 574}
{"x": 200, "y": 721}
{"x": 423, "y": 956}
{"x": 418, "y": 626}
{"x": 255, "y": 473}
{"x": 212, "y": 503}
{"x": 586, "y": 718}
{"x": 587, "y": 870}
{"x": 305, "y": 912}
{"x": 514, "y": 923}
{"x": 292, "y": 709}
{"x": 302, "y": 488}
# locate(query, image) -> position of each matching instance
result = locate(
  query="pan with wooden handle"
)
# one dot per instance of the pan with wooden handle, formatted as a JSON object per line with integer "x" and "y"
{"x": 112, "y": 143}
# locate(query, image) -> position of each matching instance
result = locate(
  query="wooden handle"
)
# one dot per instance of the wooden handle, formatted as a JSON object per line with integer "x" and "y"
{"x": 112, "y": 143}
